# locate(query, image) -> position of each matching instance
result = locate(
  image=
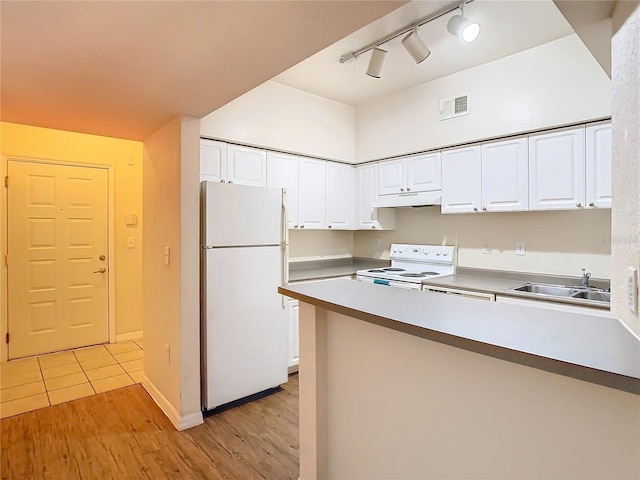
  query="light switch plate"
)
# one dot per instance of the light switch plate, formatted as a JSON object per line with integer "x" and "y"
{"x": 632, "y": 289}
{"x": 167, "y": 255}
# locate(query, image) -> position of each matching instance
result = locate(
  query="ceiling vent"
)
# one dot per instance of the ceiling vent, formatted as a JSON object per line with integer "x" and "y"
{"x": 454, "y": 107}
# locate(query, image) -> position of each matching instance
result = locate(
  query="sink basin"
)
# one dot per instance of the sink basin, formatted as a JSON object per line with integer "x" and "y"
{"x": 590, "y": 295}
{"x": 541, "y": 289}
{"x": 564, "y": 291}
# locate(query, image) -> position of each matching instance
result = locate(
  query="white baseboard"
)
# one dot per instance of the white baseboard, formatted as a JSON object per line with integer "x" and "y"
{"x": 181, "y": 423}
{"x": 126, "y": 337}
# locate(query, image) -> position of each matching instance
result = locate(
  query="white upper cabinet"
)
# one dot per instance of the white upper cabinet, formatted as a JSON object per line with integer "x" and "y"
{"x": 246, "y": 166}
{"x": 424, "y": 173}
{"x": 368, "y": 217}
{"x": 419, "y": 173}
{"x": 213, "y": 160}
{"x": 461, "y": 180}
{"x": 312, "y": 191}
{"x": 282, "y": 172}
{"x": 557, "y": 170}
{"x": 598, "y": 166}
{"x": 340, "y": 196}
{"x": 505, "y": 176}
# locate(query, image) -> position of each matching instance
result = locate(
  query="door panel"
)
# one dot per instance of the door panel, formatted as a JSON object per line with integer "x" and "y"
{"x": 57, "y": 230}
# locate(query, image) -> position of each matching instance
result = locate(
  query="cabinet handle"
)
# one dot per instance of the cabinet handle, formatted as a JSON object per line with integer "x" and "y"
{"x": 222, "y": 181}
{"x": 295, "y": 226}
{"x": 402, "y": 189}
{"x": 373, "y": 226}
{"x": 230, "y": 181}
{"x": 475, "y": 209}
{"x": 484, "y": 209}
{"x": 408, "y": 189}
{"x": 329, "y": 226}
{"x": 578, "y": 205}
{"x": 301, "y": 226}
{"x": 591, "y": 204}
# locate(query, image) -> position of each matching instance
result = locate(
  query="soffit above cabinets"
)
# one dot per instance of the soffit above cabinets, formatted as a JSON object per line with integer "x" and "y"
{"x": 507, "y": 27}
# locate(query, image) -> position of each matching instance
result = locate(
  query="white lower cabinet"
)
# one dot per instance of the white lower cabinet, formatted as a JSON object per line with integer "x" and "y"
{"x": 368, "y": 217}
{"x": 294, "y": 334}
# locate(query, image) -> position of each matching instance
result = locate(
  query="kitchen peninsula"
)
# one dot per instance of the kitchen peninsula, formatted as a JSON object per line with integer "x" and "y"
{"x": 414, "y": 385}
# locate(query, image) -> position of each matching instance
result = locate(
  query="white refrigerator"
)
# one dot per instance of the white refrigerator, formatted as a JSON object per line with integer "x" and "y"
{"x": 244, "y": 260}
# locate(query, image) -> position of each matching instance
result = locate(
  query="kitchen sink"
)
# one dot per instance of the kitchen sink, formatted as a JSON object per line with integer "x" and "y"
{"x": 591, "y": 295}
{"x": 564, "y": 291}
{"x": 541, "y": 289}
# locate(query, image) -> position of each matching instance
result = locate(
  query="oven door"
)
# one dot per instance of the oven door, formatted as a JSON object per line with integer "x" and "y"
{"x": 389, "y": 283}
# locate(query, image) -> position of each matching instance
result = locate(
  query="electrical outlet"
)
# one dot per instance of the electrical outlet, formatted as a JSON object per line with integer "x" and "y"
{"x": 632, "y": 289}
{"x": 486, "y": 249}
{"x": 520, "y": 248}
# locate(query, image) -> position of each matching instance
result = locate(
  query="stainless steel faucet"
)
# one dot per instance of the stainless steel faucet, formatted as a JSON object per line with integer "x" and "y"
{"x": 585, "y": 277}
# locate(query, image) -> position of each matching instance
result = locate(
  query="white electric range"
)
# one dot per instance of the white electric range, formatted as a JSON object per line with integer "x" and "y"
{"x": 410, "y": 264}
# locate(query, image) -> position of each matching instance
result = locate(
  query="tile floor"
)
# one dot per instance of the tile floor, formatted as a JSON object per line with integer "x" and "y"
{"x": 36, "y": 382}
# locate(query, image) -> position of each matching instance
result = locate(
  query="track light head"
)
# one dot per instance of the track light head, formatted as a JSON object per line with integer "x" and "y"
{"x": 463, "y": 28}
{"x": 415, "y": 46}
{"x": 375, "y": 63}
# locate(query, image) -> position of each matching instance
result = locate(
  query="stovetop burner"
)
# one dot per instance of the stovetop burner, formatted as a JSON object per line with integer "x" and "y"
{"x": 394, "y": 269}
{"x": 375, "y": 271}
{"x": 430, "y": 273}
{"x": 413, "y": 275}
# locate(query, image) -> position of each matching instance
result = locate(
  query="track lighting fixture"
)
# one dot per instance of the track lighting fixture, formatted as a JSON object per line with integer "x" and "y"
{"x": 375, "y": 63}
{"x": 458, "y": 25}
{"x": 415, "y": 46}
{"x": 463, "y": 28}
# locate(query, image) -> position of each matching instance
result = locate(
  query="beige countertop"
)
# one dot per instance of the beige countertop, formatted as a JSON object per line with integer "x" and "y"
{"x": 498, "y": 282}
{"x": 596, "y": 349}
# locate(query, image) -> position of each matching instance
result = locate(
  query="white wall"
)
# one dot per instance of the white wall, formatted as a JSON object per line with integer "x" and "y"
{"x": 556, "y": 242}
{"x": 171, "y": 292}
{"x": 554, "y": 84}
{"x": 282, "y": 118}
{"x": 626, "y": 155}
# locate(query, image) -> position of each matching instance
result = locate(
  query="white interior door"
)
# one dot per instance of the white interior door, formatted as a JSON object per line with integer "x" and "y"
{"x": 57, "y": 248}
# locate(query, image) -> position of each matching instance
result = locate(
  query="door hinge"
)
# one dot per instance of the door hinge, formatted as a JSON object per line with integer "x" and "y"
{"x": 6, "y": 181}
{"x": 7, "y": 337}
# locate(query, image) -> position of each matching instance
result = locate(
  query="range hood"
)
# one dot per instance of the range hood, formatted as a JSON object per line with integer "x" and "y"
{"x": 419, "y": 199}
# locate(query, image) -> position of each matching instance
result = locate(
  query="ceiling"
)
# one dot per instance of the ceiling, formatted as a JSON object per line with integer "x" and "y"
{"x": 125, "y": 68}
{"x": 507, "y": 27}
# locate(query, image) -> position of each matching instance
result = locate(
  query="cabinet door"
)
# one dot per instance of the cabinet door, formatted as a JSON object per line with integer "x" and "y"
{"x": 247, "y": 166}
{"x": 213, "y": 160}
{"x": 294, "y": 334}
{"x": 598, "y": 166}
{"x": 312, "y": 190}
{"x": 282, "y": 172}
{"x": 340, "y": 196}
{"x": 505, "y": 176}
{"x": 424, "y": 173}
{"x": 556, "y": 170}
{"x": 461, "y": 180}
{"x": 392, "y": 177}
{"x": 369, "y": 218}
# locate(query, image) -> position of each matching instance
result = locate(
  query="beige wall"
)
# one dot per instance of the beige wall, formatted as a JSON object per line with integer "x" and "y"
{"x": 556, "y": 242}
{"x": 282, "y": 118}
{"x": 69, "y": 147}
{"x": 554, "y": 84}
{"x": 626, "y": 155}
{"x": 171, "y": 292}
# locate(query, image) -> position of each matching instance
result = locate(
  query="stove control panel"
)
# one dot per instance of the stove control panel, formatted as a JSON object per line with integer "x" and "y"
{"x": 426, "y": 253}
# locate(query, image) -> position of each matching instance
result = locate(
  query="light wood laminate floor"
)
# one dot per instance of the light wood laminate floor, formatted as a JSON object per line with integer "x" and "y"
{"x": 36, "y": 382}
{"x": 123, "y": 435}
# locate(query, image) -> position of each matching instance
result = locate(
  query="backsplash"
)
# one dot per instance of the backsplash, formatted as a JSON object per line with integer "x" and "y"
{"x": 556, "y": 242}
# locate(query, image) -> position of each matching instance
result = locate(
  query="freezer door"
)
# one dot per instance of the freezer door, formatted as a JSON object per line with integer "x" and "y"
{"x": 240, "y": 215}
{"x": 245, "y": 328}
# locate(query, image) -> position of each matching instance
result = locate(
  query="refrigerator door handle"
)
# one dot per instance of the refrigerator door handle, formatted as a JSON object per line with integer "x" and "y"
{"x": 285, "y": 246}
{"x": 285, "y": 220}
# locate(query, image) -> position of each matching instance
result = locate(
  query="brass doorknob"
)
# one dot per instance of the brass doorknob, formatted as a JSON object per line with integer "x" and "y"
{"x": 102, "y": 270}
